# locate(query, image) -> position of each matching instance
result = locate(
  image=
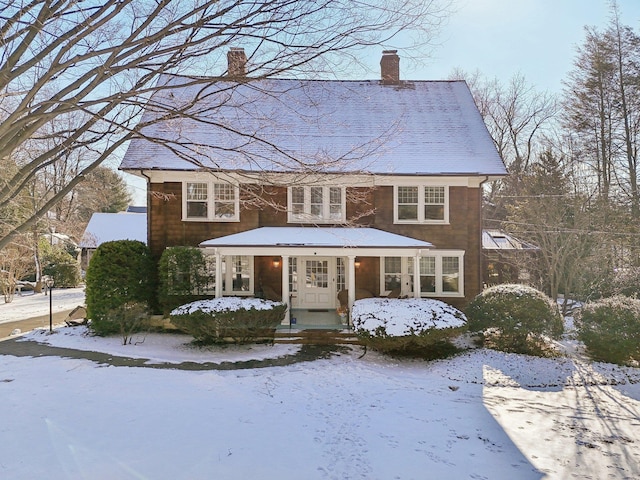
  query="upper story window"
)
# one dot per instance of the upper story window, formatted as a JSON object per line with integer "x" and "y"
{"x": 421, "y": 204}
{"x": 316, "y": 204}
{"x": 208, "y": 201}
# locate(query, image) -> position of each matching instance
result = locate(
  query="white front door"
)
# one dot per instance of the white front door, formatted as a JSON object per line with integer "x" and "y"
{"x": 316, "y": 287}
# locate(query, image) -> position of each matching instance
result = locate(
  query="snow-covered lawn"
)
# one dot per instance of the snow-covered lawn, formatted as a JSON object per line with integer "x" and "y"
{"x": 480, "y": 415}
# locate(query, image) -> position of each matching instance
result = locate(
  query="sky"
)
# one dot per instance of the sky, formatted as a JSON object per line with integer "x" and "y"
{"x": 536, "y": 38}
{"x": 502, "y": 38}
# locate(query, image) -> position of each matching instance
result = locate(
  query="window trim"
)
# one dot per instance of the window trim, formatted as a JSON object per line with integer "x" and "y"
{"x": 227, "y": 275}
{"x": 326, "y": 205}
{"x": 421, "y": 205}
{"x": 211, "y": 201}
{"x": 439, "y": 277}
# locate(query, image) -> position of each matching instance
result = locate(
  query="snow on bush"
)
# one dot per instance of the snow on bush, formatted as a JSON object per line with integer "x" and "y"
{"x": 400, "y": 317}
{"x": 229, "y": 319}
{"x": 224, "y": 304}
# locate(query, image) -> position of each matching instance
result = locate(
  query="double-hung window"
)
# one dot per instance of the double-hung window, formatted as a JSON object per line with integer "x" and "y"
{"x": 210, "y": 201}
{"x": 442, "y": 274}
{"x": 316, "y": 204}
{"x": 421, "y": 204}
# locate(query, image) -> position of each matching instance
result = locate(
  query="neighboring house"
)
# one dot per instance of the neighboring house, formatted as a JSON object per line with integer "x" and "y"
{"x": 507, "y": 259}
{"x": 307, "y": 188}
{"x": 106, "y": 227}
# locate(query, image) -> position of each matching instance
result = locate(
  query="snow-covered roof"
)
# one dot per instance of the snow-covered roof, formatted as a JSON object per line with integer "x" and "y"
{"x": 316, "y": 237}
{"x": 106, "y": 227}
{"x": 412, "y": 128}
{"x": 499, "y": 240}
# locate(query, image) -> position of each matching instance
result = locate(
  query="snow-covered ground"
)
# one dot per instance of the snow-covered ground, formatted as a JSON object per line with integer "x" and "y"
{"x": 480, "y": 415}
{"x": 29, "y": 304}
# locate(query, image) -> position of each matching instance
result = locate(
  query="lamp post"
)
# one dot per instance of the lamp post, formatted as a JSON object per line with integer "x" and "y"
{"x": 49, "y": 283}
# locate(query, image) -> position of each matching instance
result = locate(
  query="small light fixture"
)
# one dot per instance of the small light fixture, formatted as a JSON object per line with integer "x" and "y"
{"x": 357, "y": 262}
{"x": 276, "y": 262}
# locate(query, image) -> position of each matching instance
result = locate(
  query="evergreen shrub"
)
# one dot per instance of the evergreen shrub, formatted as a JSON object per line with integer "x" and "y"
{"x": 229, "y": 320}
{"x": 120, "y": 272}
{"x": 610, "y": 329}
{"x": 415, "y": 328}
{"x": 183, "y": 277}
{"x": 60, "y": 264}
{"x": 515, "y": 318}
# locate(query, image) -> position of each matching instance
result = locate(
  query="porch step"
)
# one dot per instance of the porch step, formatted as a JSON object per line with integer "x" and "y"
{"x": 316, "y": 337}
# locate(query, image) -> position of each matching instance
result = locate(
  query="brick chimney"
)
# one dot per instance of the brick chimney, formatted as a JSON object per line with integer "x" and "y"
{"x": 390, "y": 67}
{"x": 237, "y": 62}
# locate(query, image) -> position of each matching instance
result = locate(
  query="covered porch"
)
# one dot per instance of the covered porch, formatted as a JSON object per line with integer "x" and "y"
{"x": 318, "y": 272}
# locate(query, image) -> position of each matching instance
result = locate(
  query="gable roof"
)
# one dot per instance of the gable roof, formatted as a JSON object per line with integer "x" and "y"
{"x": 417, "y": 127}
{"x": 106, "y": 227}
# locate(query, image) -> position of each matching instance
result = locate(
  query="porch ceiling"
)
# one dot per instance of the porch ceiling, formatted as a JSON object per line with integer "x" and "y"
{"x": 318, "y": 238}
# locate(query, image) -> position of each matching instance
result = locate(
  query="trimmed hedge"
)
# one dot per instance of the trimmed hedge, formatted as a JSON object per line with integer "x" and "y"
{"x": 416, "y": 328}
{"x": 610, "y": 329}
{"x": 120, "y": 272}
{"x": 515, "y": 317}
{"x": 183, "y": 277}
{"x": 229, "y": 320}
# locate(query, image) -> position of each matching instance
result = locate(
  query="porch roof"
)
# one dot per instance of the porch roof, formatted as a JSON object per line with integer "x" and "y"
{"x": 317, "y": 237}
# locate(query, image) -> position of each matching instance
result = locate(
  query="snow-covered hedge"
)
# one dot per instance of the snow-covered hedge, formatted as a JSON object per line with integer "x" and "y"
{"x": 225, "y": 304}
{"x": 394, "y": 317}
{"x": 229, "y": 319}
{"x": 412, "y": 327}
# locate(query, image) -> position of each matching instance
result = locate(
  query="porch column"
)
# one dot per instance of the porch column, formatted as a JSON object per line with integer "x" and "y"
{"x": 351, "y": 287}
{"x": 286, "y": 294}
{"x": 416, "y": 276}
{"x": 218, "y": 275}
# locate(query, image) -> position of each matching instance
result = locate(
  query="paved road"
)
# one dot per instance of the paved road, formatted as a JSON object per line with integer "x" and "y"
{"x": 29, "y": 324}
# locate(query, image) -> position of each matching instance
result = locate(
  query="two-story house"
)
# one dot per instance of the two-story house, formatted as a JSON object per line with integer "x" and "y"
{"x": 308, "y": 188}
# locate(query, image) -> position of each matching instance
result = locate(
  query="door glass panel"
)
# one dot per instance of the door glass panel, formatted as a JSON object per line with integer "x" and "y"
{"x": 317, "y": 273}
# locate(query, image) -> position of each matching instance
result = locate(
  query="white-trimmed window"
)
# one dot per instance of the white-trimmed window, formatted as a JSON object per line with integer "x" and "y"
{"x": 421, "y": 204}
{"x": 397, "y": 274}
{"x": 316, "y": 204}
{"x": 237, "y": 274}
{"x": 211, "y": 202}
{"x": 440, "y": 274}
